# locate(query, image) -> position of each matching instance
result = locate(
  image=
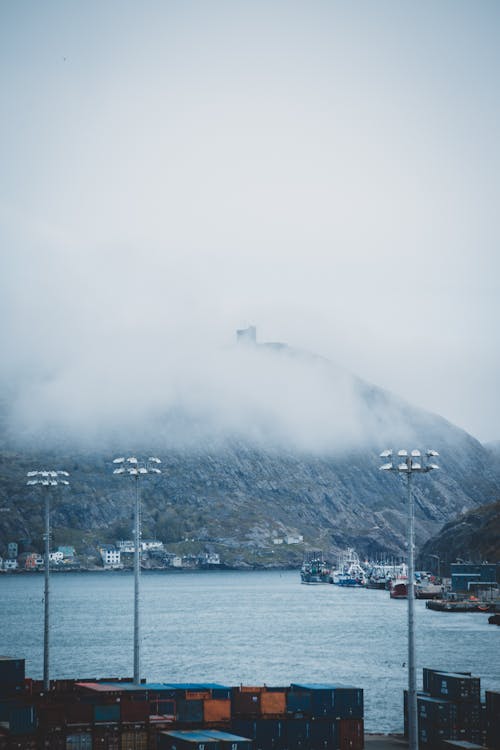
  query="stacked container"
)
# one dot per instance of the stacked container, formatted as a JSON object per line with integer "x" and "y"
{"x": 493, "y": 719}
{"x": 208, "y": 739}
{"x": 331, "y": 716}
{"x": 449, "y": 709}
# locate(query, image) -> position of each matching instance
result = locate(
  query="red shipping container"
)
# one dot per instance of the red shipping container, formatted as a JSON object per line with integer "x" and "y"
{"x": 52, "y": 715}
{"x": 79, "y": 713}
{"x": 351, "y": 734}
{"x": 246, "y": 703}
{"x": 135, "y": 711}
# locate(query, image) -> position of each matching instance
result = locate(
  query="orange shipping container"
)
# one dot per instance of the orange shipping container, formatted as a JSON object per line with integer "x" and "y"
{"x": 197, "y": 695}
{"x": 273, "y": 703}
{"x": 248, "y": 689}
{"x": 217, "y": 709}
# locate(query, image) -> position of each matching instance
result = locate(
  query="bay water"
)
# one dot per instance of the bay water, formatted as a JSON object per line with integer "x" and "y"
{"x": 250, "y": 628}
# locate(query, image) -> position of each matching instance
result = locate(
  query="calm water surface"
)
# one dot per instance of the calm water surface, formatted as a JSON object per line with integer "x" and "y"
{"x": 241, "y": 627}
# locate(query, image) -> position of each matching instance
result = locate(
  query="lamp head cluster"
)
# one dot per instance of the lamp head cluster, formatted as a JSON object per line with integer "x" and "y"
{"x": 409, "y": 461}
{"x": 47, "y": 478}
{"x": 135, "y": 467}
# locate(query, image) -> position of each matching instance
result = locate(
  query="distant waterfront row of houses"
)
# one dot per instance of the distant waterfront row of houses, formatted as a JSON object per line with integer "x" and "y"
{"x": 119, "y": 555}
{"x": 112, "y": 556}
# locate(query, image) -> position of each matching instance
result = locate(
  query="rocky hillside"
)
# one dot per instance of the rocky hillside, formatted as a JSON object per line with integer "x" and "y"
{"x": 283, "y": 471}
{"x": 473, "y": 536}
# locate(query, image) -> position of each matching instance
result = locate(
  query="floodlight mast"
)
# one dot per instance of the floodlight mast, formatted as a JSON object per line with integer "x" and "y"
{"x": 135, "y": 468}
{"x": 47, "y": 479}
{"x": 410, "y": 463}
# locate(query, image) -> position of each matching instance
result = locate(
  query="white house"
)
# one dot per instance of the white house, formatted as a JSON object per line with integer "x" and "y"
{"x": 10, "y": 564}
{"x": 111, "y": 557}
{"x": 277, "y": 540}
{"x": 151, "y": 544}
{"x": 56, "y": 557}
{"x": 126, "y": 545}
{"x": 294, "y": 539}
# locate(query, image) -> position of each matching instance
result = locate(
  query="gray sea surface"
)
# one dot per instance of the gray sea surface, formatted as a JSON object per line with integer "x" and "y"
{"x": 250, "y": 628}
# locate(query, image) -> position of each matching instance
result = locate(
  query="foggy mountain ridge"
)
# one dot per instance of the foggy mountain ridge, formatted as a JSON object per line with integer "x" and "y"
{"x": 273, "y": 442}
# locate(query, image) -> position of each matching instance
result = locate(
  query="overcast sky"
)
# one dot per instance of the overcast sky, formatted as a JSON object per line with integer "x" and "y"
{"x": 326, "y": 171}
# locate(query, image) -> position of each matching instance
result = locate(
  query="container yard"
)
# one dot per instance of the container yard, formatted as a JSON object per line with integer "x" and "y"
{"x": 116, "y": 714}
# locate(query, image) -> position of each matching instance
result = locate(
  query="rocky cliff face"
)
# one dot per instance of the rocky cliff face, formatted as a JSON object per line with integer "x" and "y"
{"x": 234, "y": 489}
{"x": 473, "y": 536}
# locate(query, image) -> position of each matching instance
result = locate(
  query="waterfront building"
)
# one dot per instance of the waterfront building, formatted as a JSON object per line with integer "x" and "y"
{"x": 68, "y": 552}
{"x": 111, "y": 557}
{"x": 469, "y": 578}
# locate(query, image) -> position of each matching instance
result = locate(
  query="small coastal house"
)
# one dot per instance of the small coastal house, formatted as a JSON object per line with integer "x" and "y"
{"x": 111, "y": 557}
{"x": 294, "y": 539}
{"x": 68, "y": 552}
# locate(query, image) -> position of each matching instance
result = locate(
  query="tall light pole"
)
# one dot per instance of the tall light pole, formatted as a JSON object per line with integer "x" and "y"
{"x": 135, "y": 468}
{"x": 410, "y": 463}
{"x": 47, "y": 479}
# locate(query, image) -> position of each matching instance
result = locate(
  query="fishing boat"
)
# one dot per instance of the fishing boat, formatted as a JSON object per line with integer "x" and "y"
{"x": 398, "y": 588}
{"x": 315, "y": 569}
{"x": 349, "y": 571}
{"x": 426, "y": 587}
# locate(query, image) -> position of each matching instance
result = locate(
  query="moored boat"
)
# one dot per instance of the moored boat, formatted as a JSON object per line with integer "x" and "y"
{"x": 398, "y": 588}
{"x": 315, "y": 570}
{"x": 349, "y": 571}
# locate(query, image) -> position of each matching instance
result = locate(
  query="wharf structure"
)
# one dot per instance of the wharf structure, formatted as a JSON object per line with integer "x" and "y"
{"x": 117, "y": 714}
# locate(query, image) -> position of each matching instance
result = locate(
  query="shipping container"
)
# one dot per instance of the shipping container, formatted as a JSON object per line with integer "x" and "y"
{"x": 229, "y": 741}
{"x": 162, "y": 707}
{"x": 454, "y": 687}
{"x": 105, "y": 739}
{"x": 11, "y": 673}
{"x": 436, "y": 711}
{"x": 107, "y": 712}
{"x": 53, "y": 741}
{"x": 427, "y": 673}
{"x": 137, "y": 740}
{"x": 22, "y": 720}
{"x": 430, "y": 736}
{"x": 79, "y": 713}
{"x": 246, "y": 702}
{"x": 273, "y": 702}
{"x": 186, "y": 740}
{"x": 297, "y": 733}
{"x": 199, "y": 690}
{"x": 217, "y": 709}
{"x": 5, "y": 707}
{"x": 469, "y": 715}
{"x": 350, "y": 734}
{"x": 51, "y": 716}
{"x": 493, "y": 705}
{"x": 79, "y": 741}
{"x": 323, "y": 734}
{"x": 189, "y": 711}
{"x": 28, "y": 742}
{"x": 265, "y": 733}
{"x": 332, "y": 700}
{"x": 135, "y": 710}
